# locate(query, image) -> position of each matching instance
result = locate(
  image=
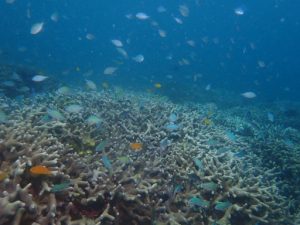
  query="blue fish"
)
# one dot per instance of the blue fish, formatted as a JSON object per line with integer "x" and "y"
{"x": 172, "y": 127}
{"x": 106, "y": 163}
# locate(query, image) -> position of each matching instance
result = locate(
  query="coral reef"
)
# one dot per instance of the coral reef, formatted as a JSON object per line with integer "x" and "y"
{"x": 196, "y": 172}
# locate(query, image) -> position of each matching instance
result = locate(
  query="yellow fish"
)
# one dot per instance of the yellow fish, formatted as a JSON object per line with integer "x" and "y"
{"x": 3, "y": 175}
{"x": 157, "y": 85}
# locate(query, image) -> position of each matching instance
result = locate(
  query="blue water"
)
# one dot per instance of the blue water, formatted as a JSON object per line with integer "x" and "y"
{"x": 227, "y": 52}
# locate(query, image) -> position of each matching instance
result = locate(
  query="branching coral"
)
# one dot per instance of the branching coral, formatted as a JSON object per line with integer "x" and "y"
{"x": 149, "y": 186}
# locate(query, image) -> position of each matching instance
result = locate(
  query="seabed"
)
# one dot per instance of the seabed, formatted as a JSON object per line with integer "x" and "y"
{"x": 129, "y": 158}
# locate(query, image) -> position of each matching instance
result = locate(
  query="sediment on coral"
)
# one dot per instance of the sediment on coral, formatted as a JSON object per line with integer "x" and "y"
{"x": 197, "y": 167}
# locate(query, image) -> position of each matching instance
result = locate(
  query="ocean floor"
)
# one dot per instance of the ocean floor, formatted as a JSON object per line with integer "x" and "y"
{"x": 125, "y": 158}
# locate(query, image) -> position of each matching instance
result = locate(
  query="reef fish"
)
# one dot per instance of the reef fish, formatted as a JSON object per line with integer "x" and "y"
{"x": 209, "y": 186}
{"x": 270, "y": 117}
{"x": 60, "y": 187}
{"x": 141, "y": 16}
{"x": 110, "y": 70}
{"x": 124, "y": 159}
{"x": 222, "y": 206}
{"x": 54, "y": 114}
{"x": 231, "y": 136}
{"x": 117, "y": 43}
{"x": 158, "y": 85}
{"x": 138, "y": 58}
{"x": 172, "y": 127}
{"x": 3, "y": 175}
{"x": 91, "y": 120}
{"x": 91, "y": 85}
{"x": 3, "y": 117}
{"x": 106, "y": 162}
{"x": 40, "y": 170}
{"x": 195, "y": 201}
{"x": 74, "y": 108}
{"x": 36, "y": 28}
{"x": 172, "y": 117}
{"x": 39, "y": 78}
{"x": 249, "y": 94}
{"x": 136, "y": 146}
{"x": 198, "y": 164}
{"x": 101, "y": 146}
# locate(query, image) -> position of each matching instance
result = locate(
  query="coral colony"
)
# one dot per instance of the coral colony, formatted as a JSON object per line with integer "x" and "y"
{"x": 105, "y": 158}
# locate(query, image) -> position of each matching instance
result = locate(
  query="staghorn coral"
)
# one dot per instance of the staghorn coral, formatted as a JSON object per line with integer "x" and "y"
{"x": 141, "y": 190}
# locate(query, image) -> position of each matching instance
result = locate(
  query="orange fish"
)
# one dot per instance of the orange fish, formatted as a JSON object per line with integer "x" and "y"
{"x": 136, "y": 146}
{"x": 40, "y": 170}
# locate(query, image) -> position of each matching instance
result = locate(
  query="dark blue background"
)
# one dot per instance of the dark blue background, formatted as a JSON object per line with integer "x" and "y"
{"x": 273, "y": 27}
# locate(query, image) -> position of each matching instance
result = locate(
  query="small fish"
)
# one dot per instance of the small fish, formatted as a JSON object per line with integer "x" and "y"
{"x": 157, "y": 85}
{"x": 209, "y": 186}
{"x": 8, "y": 83}
{"x": 110, "y": 70}
{"x": 142, "y": 16}
{"x": 198, "y": 164}
{"x": 161, "y": 9}
{"x": 184, "y": 10}
{"x": 136, "y": 146}
{"x": 92, "y": 120}
{"x": 101, "y": 146}
{"x": 222, "y": 206}
{"x": 194, "y": 201}
{"x": 40, "y": 170}
{"x": 124, "y": 159}
{"x": 54, "y": 17}
{"x": 36, "y": 28}
{"x": 3, "y": 117}
{"x": 54, "y": 114}
{"x": 270, "y": 117}
{"x": 106, "y": 162}
{"x": 239, "y": 11}
{"x": 261, "y": 64}
{"x": 162, "y": 33}
{"x": 178, "y": 20}
{"x": 172, "y": 127}
{"x": 90, "y": 36}
{"x": 39, "y": 78}
{"x": 122, "y": 52}
{"x": 74, "y": 108}
{"x": 117, "y": 43}
{"x": 138, "y": 58}
{"x": 231, "y": 136}
{"x": 64, "y": 90}
{"x": 3, "y": 175}
{"x": 60, "y": 187}
{"x": 91, "y": 85}
{"x": 208, "y": 87}
{"x": 164, "y": 144}
{"x": 9, "y": 1}
{"x": 191, "y": 43}
{"x": 240, "y": 153}
{"x": 172, "y": 117}
{"x": 249, "y": 94}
